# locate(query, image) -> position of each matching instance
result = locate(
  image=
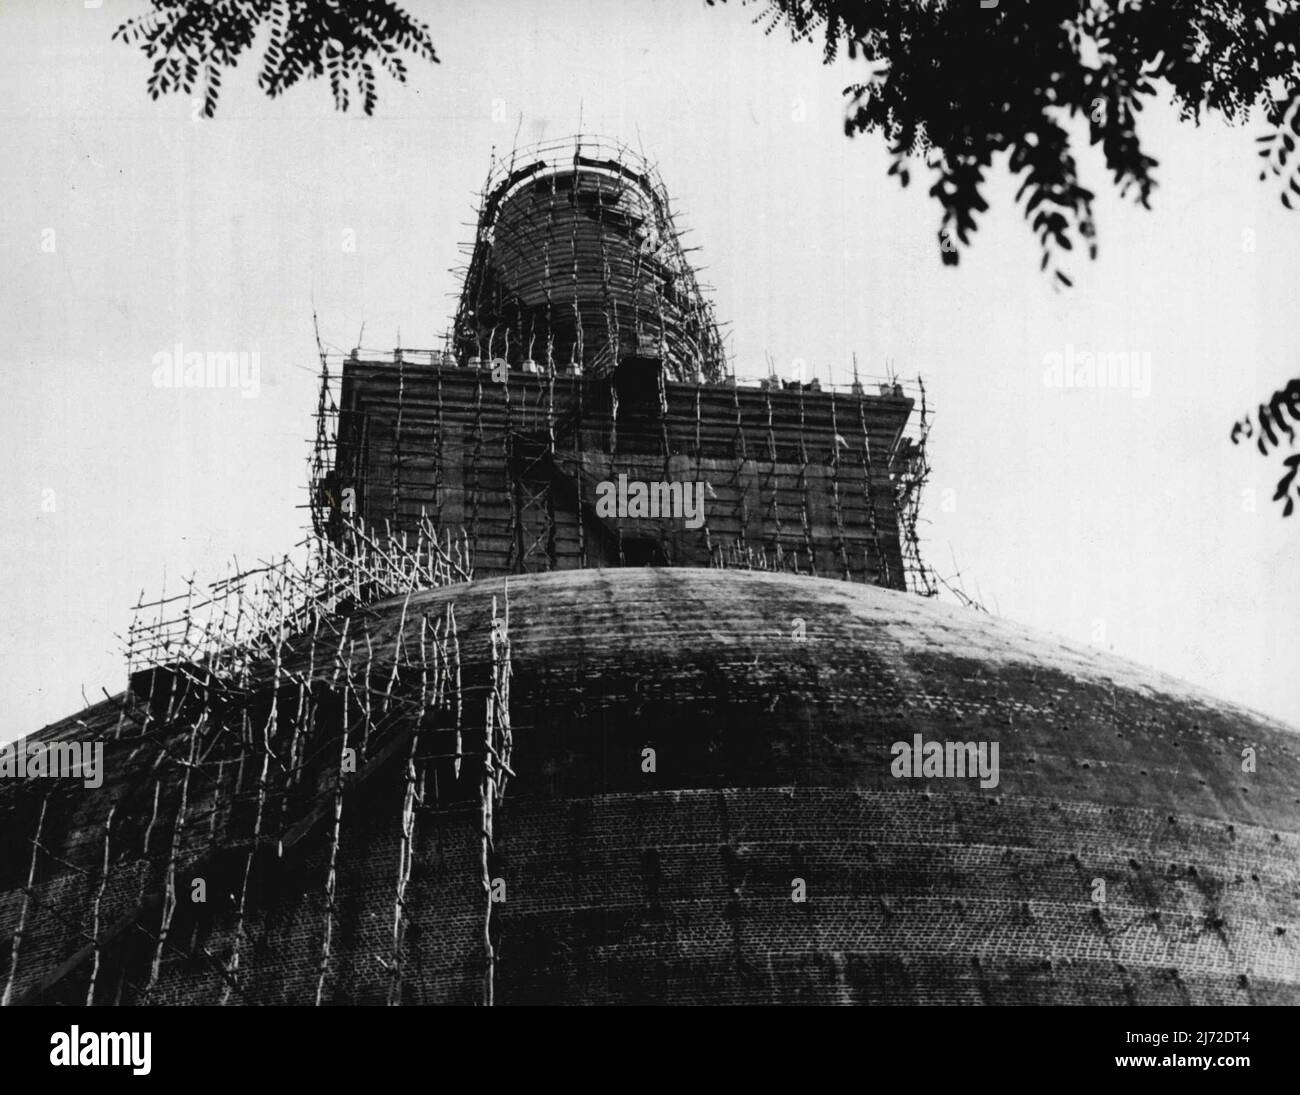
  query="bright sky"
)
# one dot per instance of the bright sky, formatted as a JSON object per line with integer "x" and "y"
{"x": 1093, "y": 514}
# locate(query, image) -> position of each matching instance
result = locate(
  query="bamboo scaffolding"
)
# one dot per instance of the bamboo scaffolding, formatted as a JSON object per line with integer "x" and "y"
{"x": 204, "y": 659}
{"x": 94, "y": 912}
{"x": 15, "y": 946}
{"x": 836, "y": 506}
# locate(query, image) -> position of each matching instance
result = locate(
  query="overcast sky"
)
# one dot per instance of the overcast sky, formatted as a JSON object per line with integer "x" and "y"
{"x": 1099, "y": 515}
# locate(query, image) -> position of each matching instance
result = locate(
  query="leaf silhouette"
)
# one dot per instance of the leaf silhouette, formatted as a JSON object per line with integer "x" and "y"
{"x": 338, "y": 39}
{"x": 968, "y": 85}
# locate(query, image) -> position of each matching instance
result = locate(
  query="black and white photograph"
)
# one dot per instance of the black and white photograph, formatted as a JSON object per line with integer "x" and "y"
{"x": 767, "y": 503}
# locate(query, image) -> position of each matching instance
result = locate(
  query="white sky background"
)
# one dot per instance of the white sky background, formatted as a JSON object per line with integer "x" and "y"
{"x": 1067, "y": 506}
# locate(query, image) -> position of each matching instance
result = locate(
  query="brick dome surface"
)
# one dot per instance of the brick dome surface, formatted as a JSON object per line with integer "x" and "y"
{"x": 1127, "y": 854}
